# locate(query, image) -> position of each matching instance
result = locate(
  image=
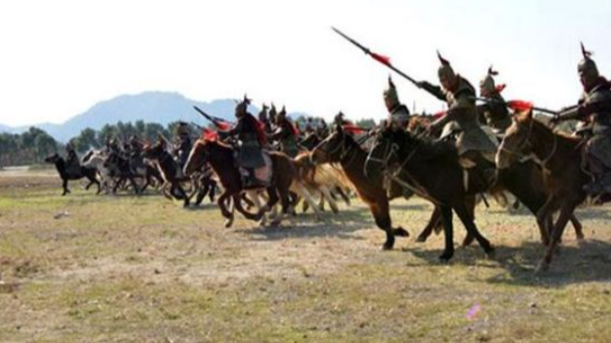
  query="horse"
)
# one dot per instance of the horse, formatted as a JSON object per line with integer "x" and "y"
{"x": 340, "y": 147}
{"x": 169, "y": 169}
{"x": 433, "y": 171}
{"x": 60, "y": 165}
{"x": 221, "y": 158}
{"x": 120, "y": 167}
{"x": 513, "y": 180}
{"x": 561, "y": 157}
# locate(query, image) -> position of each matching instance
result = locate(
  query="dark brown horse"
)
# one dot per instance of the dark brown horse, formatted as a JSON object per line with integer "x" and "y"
{"x": 221, "y": 158}
{"x": 169, "y": 169}
{"x": 561, "y": 157}
{"x": 433, "y": 171}
{"x": 340, "y": 147}
{"x": 525, "y": 180}
{"x": 60, "y": 165}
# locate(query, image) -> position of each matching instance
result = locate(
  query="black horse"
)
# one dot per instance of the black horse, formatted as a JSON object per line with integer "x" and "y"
{"x": 60, "y": 165}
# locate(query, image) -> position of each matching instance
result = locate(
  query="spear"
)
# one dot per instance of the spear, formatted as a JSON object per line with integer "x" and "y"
{"x": 218, "y": 122}
{"x": 519, "y": 105}
{"x": 385, "y": 60}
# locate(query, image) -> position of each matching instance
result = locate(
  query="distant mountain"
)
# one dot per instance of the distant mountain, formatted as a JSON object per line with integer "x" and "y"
{"x": 158, "y": 107}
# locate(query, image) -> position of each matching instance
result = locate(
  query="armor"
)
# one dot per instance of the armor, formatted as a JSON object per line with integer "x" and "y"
{"x": 596, "y": 108}
{"x": 286, "y": 134}
{"x": 462, "y": 111}
{"x": 399, "y": 113}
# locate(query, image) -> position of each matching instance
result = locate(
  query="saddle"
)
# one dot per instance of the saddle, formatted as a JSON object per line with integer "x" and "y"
{"x": 260, "y": 177}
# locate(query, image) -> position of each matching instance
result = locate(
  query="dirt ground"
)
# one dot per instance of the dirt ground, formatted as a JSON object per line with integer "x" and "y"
{"x": 87, "y": 268}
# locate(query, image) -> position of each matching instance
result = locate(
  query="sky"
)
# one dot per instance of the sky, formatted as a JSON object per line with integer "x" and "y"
{"x": 58, "y": 58}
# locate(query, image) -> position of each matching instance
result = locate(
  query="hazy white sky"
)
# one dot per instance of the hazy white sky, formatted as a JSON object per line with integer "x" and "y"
{"x": 58, "y": 58}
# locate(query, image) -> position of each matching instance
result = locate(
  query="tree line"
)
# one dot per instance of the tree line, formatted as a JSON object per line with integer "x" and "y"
{"x": 33, "y": 145}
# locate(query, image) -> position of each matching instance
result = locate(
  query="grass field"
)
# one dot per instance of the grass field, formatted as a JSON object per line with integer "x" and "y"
{"x": 86, "y": 268}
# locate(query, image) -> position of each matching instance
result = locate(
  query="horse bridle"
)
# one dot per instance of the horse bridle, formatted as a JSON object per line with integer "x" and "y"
{"x": 344, "y": 151}
{"x": 526, "y": 142}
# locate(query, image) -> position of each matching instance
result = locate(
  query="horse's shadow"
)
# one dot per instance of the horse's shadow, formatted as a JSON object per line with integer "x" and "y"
{"x": 587, "y": 261}
{"x": 341, "y": 225}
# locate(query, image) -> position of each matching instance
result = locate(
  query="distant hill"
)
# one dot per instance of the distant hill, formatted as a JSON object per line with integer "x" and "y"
{"x": 158, "y": 107}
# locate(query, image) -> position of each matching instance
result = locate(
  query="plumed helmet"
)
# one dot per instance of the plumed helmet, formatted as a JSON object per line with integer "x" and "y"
{"x": 242, "y": 107}
{"x": 445, "y": 71}
{"x": 587, "y": 67}
{"x": 488, "y": 85}
{"x": 391, "y": 98}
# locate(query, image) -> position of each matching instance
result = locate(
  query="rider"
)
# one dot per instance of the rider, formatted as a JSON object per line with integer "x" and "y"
{"x": 474, "y": 146}
{"x": 286, "y": 133}
{"x": 398, "y": 113}
{"x": 494, "y": 113}
{"x": 596, "y": 107}
{"x": 249, "y": 133}
{"x": 264, "y": 118}
{"x": 73, "y": 165}
{"x": 184, "y": 143}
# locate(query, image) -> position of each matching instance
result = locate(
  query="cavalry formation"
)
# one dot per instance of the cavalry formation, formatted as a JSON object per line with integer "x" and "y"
{"x": 481, "y": 146}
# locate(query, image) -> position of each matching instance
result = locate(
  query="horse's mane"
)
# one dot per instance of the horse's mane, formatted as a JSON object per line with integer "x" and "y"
{"x": 429, "y": 148}
{"x": 557, "y": 132}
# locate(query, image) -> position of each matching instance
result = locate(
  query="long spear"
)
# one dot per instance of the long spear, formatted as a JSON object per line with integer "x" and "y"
{"x": 385, "y": 60}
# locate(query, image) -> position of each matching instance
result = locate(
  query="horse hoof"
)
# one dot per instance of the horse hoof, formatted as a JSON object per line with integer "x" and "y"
{"x": 445, "y": 259}
{"x": 228, "y": 223}
{"x": 388, "y": 246}
{"x": 421, "y": 239}
{"x": 491, "y": 253}
{"x": 541, "y": 268}
{"x": 400, "y": 232}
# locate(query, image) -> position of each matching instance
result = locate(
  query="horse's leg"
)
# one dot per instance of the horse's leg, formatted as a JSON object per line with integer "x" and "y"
{"x": 327, "y": 194}
{"x": 448, "y": 230}
{"x": 432, "y": 224}
{"x": 182, "y": 192}
{"x": 467, "y": 219}
{"x": 237, "y": 197}
{"x": 65, "y": 186}
{"x": 578, "y": 227}
{"x": 565, "y": 215}
{"x": 308, "y": 199}
{"x": 470, "y": 204}
{"x": 544, "y": 219}
{"x": 381, "y": 214}
{"x": 222, "y": 206}
{"x": 341, "y": 193}
{"x": 212, "y": 192}
{"x": 202, "y": 194}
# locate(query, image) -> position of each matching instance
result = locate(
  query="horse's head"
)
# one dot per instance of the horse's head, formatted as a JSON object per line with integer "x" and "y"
{"x": 197, "y": 157}
{"x": 52, "y": 158}
{"x": 517, "y": 141}
{"x": 333, "y": 148}
{"x": 155, "y": 151}
{"x": 383, "y": 153}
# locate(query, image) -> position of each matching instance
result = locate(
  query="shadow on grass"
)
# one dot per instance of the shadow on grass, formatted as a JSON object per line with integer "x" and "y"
{"x": 340, "y": 225}
{"x": 588, "y": 261}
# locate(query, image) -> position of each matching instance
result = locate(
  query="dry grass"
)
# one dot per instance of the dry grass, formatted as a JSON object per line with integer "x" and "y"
{"x": 124, "y": 269}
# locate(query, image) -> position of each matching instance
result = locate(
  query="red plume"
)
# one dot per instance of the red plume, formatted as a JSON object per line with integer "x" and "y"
{"x": 520, "y": 105}
{"x": 439, "y": 115}
{"x": 381, "y": 58}
{"x": 209, "y": 135}
{"x": 353, "y": 129}
{"x": 500, "y": 88}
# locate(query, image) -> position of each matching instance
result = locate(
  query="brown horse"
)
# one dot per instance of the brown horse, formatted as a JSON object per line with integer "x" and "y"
{"x": 221, "y": 158}
{"x": 561, "y": 157}
{"x": 340, "y": 147}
